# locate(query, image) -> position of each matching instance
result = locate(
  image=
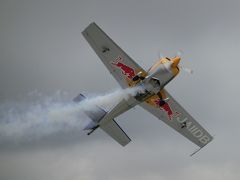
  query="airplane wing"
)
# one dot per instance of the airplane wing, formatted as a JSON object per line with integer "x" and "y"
{"x": 116, "y": 132}
{"x": 174, "y": 115}
{"x": 120, "y": 65}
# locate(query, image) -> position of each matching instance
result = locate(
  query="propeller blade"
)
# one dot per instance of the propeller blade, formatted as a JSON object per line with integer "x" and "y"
{"x": 190, "y": 71}
{"x": 160, "y": 55}
{"x": 179, "y": 53}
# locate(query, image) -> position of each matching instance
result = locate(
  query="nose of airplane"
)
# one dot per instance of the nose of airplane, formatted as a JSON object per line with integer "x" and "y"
{"x": 175, "y": 61}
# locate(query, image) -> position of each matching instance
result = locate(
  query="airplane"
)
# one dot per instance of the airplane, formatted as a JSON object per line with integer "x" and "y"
{"x": 154, "y": 99}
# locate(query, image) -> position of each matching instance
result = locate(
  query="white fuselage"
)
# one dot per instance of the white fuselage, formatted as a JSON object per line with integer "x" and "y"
{"x": 157, "y": 79}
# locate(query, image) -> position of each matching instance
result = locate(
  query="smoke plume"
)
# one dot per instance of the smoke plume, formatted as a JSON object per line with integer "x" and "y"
{"x": 41, "y": 116}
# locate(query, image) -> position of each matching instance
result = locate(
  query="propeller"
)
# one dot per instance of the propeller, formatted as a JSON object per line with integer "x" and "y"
{"x": 187, "y": 70}
{"x": 160, "y": 55}
{"x": 179, "y": 53}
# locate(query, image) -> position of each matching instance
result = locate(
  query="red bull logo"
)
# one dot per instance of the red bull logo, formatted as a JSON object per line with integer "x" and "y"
{"x": 166, "y": 108}
{"x": 126, "y": 70}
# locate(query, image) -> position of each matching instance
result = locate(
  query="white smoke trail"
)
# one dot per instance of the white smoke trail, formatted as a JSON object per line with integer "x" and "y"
{"x": 42, "y": 116}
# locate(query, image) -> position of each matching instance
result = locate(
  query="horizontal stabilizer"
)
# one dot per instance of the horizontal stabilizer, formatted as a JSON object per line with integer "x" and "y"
{"x": 116, "y": 132}
{"x": 96, "y": 114}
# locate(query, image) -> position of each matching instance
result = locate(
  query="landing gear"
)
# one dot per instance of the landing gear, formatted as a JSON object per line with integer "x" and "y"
{"x": 137, "y": 77}
{"x": 161, "y": 101}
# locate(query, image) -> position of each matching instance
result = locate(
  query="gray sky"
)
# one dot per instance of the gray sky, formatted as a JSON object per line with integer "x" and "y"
{"x": 41, "y": 48}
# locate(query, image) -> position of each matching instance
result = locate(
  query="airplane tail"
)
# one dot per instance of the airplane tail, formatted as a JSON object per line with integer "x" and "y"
{"x": 96, "y": 114}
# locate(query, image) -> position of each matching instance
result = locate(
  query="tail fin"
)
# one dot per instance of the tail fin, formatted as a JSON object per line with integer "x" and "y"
{"x": 79, "y": 98}
{"x": 95, "y": 114}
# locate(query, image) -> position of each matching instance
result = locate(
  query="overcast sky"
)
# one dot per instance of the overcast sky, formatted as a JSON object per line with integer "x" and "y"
{"x": 41, "y": 48}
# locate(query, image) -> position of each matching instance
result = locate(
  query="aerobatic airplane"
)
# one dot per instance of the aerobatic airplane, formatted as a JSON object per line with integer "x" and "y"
{"x": 155, "y": 99}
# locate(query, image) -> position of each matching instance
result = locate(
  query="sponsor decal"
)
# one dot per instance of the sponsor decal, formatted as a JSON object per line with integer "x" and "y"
{"x": 189, "y": 125}
{"x": 194, "y": 129}
{"x": 126, "y": 70}
{"x": 166, "y": 107}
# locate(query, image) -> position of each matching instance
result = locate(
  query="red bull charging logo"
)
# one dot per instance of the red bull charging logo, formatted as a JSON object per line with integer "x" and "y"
{"x": 126, "y": 70}
{"x": 130, "y": 73}
{"x": 166, "y": 107}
